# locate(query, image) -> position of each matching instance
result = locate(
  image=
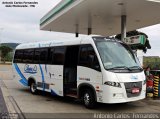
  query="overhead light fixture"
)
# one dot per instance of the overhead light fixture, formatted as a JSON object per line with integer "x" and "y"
{"x": 154, "y": 1}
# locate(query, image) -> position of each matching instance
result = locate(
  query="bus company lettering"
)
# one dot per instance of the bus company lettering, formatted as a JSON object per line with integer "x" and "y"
{"x": 86, "y": 79}
{"x": 29, "y": 69}
{"x": 134, "y": 77}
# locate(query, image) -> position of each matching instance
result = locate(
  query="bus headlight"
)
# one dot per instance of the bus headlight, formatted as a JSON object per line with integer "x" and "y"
{"x": 114, "y": 84}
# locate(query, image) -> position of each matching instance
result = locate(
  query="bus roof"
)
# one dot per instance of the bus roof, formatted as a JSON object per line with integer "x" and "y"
{"x": 75, "y": 41}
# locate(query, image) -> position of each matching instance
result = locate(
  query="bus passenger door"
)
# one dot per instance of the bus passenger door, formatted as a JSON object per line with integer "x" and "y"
{"x": 70, "y": 71}
{"x": 56, "y": 75}
{"x": 56, "y": 70}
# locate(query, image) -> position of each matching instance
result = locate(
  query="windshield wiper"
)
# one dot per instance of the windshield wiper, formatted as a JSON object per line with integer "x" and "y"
{"x": 120, "y": 67}
{"x": 136, "y": 67}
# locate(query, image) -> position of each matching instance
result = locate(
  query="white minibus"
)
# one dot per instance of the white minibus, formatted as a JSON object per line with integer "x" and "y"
{"x": 94, "y": 69}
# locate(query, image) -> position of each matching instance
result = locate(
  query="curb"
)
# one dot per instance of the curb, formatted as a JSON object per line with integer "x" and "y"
{"x": 14, "y": 110}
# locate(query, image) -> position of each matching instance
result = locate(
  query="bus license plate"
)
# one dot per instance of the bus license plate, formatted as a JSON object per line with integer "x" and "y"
{"x": 135, "y": 90}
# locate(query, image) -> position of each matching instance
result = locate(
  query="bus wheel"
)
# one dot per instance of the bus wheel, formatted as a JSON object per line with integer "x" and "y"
{"x": 89, "y": 99}
{"x": 33, "y": 88}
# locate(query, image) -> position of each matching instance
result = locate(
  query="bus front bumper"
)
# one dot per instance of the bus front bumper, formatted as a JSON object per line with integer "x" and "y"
{"x": 111, "y": 94}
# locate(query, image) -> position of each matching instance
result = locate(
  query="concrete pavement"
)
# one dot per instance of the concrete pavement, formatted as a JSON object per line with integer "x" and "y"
{"x": 19, "y": 100}
{"x": 3, "y": 108}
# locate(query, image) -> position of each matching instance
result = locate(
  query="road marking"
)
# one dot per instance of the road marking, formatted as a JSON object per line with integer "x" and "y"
{"x": 16, "y": 108}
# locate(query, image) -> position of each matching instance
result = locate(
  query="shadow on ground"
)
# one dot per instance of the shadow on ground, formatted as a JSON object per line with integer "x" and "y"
{"x": 121, "y": 107}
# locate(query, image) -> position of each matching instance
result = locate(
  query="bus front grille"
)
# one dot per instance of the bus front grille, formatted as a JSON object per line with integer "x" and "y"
{"x": 131, "y": 86}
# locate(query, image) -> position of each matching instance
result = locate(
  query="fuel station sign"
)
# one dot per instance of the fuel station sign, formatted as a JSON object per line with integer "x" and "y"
{"x": 135, "y": 40}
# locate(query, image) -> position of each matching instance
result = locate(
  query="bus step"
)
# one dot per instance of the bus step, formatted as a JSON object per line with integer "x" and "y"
{"x": 73, "y": 89}
{"x": 72, "y": 95}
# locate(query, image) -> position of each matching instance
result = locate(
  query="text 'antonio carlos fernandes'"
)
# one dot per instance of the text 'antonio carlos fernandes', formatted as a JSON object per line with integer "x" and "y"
{"x": 24, "y": 2}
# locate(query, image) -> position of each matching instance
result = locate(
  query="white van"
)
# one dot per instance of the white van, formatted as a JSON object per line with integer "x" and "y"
{"x": 94, "y": 69}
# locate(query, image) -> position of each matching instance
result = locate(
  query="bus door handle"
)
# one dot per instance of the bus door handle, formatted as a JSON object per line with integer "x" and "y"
{"x": 60, "y": 75}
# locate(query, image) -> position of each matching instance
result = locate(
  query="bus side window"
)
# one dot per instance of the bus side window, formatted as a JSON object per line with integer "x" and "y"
{"x": 28, "y": 56}
{"x": 18, "y": 56}
{"x": 88, "y": 58}
{"x": 83, "y": 61}
{"x": 92, "y": 59}
{"x": 43, "y": 55}
{"x": 31, "y": 56}
{"x": 58, "y": 56}
{"x": 50, "y": 55}
{"x": 36, "y": 56}
{"x": 25, "y": 56}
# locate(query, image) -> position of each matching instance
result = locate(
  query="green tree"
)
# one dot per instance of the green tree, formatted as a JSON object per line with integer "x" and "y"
{"x": 134, "y": 33}
{"x": 4, "y": 52}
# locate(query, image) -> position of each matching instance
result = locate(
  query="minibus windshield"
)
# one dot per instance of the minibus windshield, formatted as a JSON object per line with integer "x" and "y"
{"x": 116, "y": 55}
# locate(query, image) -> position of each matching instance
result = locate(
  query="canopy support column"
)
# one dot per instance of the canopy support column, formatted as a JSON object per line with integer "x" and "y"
{"x": 77, "y": 30}
{"x": 89, "y": 24}
{"x": 123, "y": 27}
{"x": 89, "y": 31}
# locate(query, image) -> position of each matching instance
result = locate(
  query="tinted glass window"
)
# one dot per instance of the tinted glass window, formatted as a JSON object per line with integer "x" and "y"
{"x": 43, "y": 55}
{"x": 50, "y": 55}
{"x": 18, "y": 56}
{"x": 59, "y": 55}
{"x": 36, "y": 56}
{"x": 25, "y": 55}
{"x": 28, "y": 56}
{"x": 88, "y": 57}
{"x": 83, "y": 56}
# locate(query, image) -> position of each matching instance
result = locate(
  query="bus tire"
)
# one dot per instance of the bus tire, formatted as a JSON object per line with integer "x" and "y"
{"x": 89, "y": 99}
{"x": 33, "y": 88}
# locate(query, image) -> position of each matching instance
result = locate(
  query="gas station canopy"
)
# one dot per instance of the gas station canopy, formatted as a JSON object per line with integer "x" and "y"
{"x": 102, "y": 17}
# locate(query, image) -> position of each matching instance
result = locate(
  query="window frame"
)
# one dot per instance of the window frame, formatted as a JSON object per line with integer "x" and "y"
{"x": 87, "y": 46}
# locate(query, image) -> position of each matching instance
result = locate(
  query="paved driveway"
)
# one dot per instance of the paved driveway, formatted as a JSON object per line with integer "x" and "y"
{"x": 44, "y": 104}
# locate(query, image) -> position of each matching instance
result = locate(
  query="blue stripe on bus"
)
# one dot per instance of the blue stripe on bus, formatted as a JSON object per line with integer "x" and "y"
{"x": 43, "y": 82}
{"x": 23, "y": 79}
{"x": 53, "y": 93}
{"x": 42, "y": 74}
{"x": 23, "y": 82}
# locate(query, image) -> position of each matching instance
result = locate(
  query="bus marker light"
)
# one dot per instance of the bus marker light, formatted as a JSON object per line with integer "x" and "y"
{"x": 97, "y": 87}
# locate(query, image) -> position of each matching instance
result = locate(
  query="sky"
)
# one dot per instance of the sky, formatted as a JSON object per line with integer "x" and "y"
{"x": 21, "y": 25}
